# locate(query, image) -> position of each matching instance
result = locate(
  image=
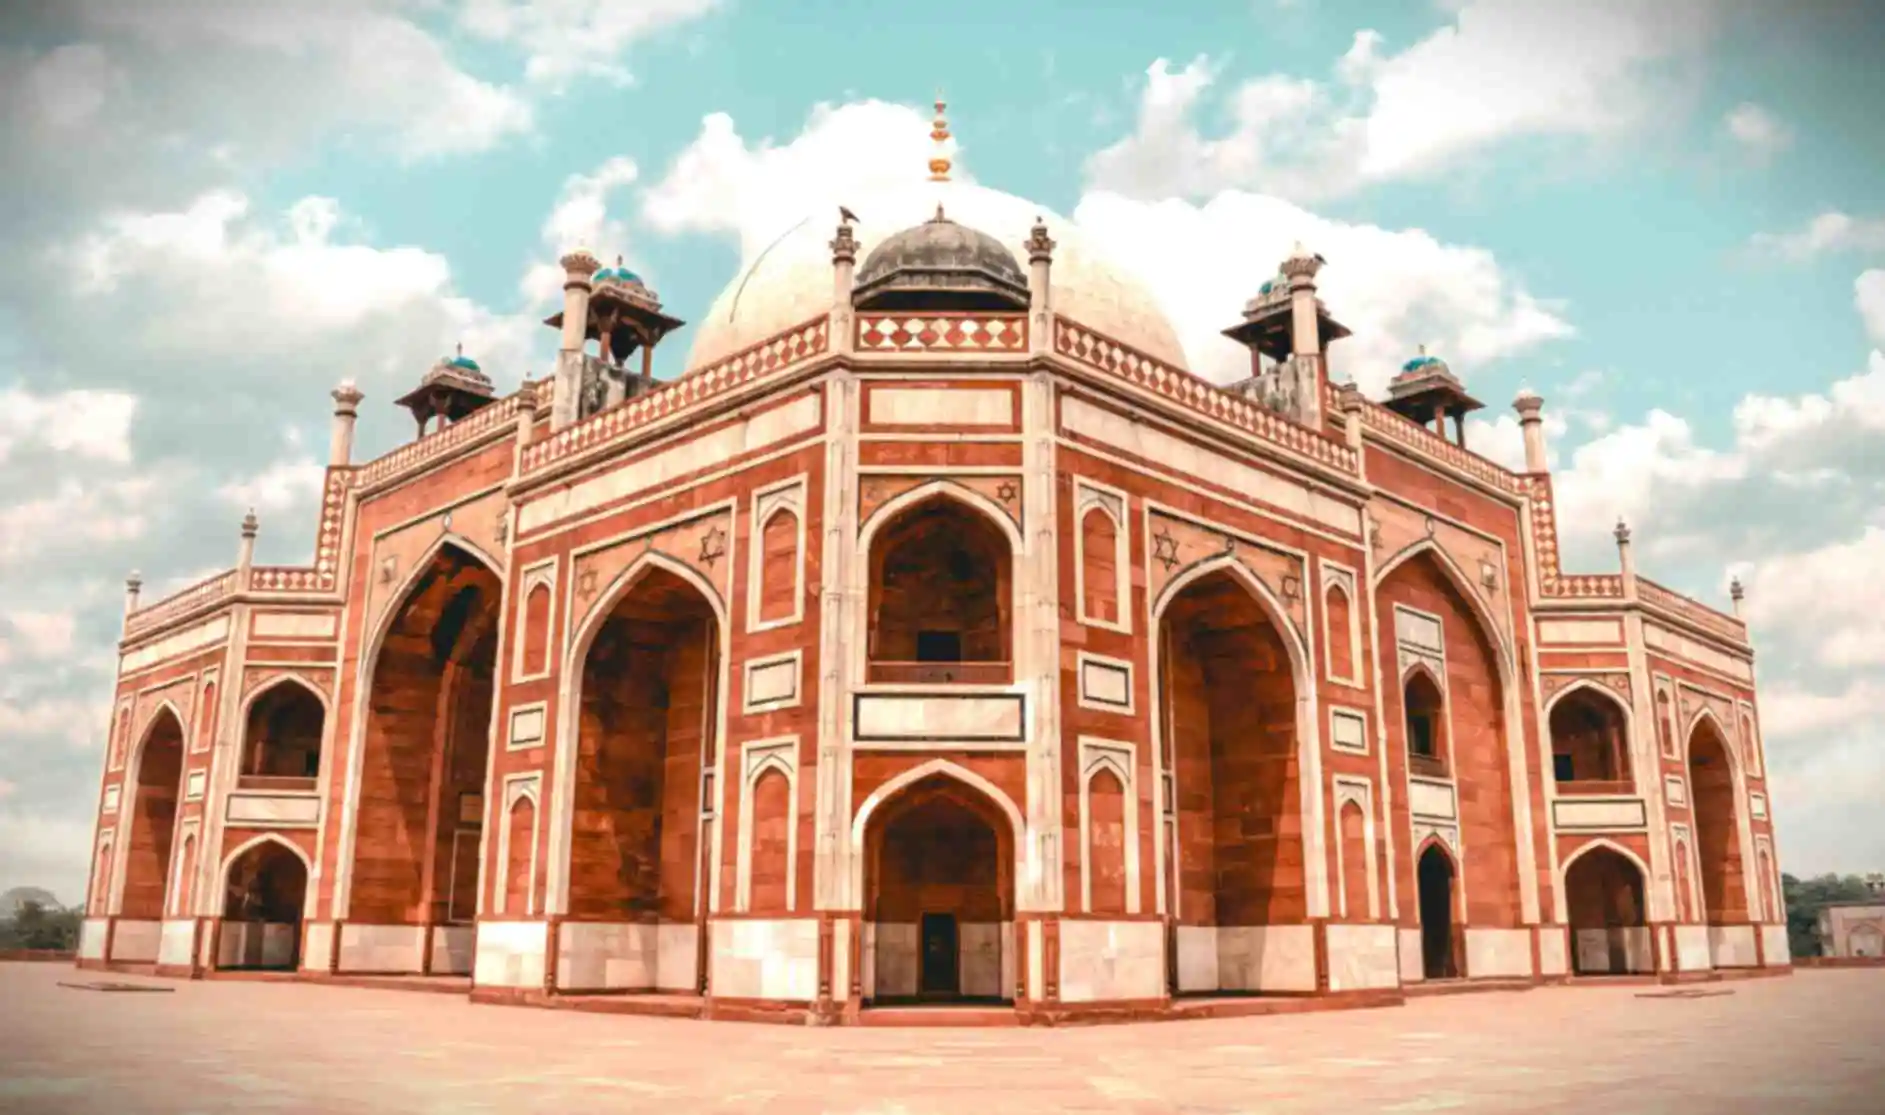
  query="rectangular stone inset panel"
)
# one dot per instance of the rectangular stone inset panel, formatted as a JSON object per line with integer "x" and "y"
{"x": 940, "y": 406}
{"x": 263, "y": 809}
{"x": 170, "y": 646}
{"x": 196, "y": 786}
{"x": 1757, "y": 806}
{"x": 527, "y": 726}
{"x": 111, "y": 799}
{"x": 1431, "y": 799}
{"x": 1599, "y": 813}
{"x": 1348, "y": 730}
{"x": 890, "y": 717}
{"x": 293, "y": 625}
{"x": 1670, "y": 642}
{"x": 1417, "y": 630}
{"x": 772, "y": 682}
{"x": 1151, "y": 444}
{"x": 1105, "y": 682}
{"x": 1581, "y": 632}
{"x": 1676, "y": 790}
{"x": 712, "y": 449}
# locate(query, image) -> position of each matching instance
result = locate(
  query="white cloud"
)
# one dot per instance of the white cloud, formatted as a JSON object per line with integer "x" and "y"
{"x": 282, "y": 486}
{"x": 1395, "y": 288}
{"x": 80, "y": 724}
{"x": 1830, "y": 599}
{"x": 1869, "y": 296}
{"x": 580, "y": 219}
{"x": 1831, "y": 231}
{"x": 1503, "y": 69}
{"x": 568, "y": 39}
{"x": 35, "y": 634}
{"x": 71, "y": 518}
{"x": 1757, "y": 130}
{"x": 361, "y": 62}
{"x": 94, "y": 424}
{"x": 213, "y": 278}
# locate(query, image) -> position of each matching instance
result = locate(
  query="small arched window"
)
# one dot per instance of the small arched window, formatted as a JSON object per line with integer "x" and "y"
{"x": 1425, "y": 710}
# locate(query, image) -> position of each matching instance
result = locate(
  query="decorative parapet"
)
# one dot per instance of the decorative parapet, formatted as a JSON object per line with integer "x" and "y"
{"x": 946, "y": 333}
{"x": 767, "y": 358}
{"x": 1079, "y": 343}
{"x": 440, "y": 443}
{"x": 1425, "y": 442}
{"x": 1552, "y": 580}
{"x": 200, "y": 596}
{"x": 293, "y": 579}
{"x": 1657, "y": 597}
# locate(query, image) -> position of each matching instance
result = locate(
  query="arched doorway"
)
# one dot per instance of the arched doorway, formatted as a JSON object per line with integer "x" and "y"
{"x": 157, "y": 794}
{"x": 264, "y": 897}
{"x": 420, "y": 812}
{"x": 1717, "y": 826}
{"x": 1603, "y": 894}
{"x": 1233, "y": 819}
{"x": 1590, "y": 743}
{"x": 939, "y": 896}
{"x": 641, "y": 834}
{"x": 281, "y": 740}
{"x": 1436, "y": 880}
{"x": 1426, "y": 610}
{"x": 941, "y": 606}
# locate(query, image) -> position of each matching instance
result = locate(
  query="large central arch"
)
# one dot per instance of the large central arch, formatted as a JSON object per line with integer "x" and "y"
{"x": 1713, "y": 798}
{"x": 1448, "y": 678}
{"x": 418, "y": 816}
{"x": 1237, "y": 858}
{"x": 938, "y": 882}
{"x": 156, "y": 789}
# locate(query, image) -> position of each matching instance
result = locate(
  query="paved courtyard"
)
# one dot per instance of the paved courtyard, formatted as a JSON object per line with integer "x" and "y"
{"x": 1798, "y": 1046}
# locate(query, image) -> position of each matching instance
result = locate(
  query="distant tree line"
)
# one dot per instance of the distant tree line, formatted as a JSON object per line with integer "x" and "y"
{"x": 1804, "y": 899}
{"x": 37, "y": 926}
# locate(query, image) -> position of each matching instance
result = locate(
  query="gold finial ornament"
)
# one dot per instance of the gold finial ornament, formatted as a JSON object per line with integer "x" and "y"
{"x": 939, "y": 163}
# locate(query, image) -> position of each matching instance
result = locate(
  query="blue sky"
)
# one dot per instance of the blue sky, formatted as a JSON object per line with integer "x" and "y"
{"x": 1664, "y": 217}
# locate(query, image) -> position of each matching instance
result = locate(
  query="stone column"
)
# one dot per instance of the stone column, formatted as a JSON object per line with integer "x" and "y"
{"x": 1305, "y": 333}
{"x": 1739, "y": 595}
{"x": 1531, "y": 420}
{"x": 579, "y": 267}
{"x": 133, "y": 585}
{"x": 843, "y": 267}
{"x": 245, "y": 551}
{"x": 346, "y": 409}
{"x": 1349, "y": 398}
{"x": 1040, "y": 288}
{"x": 1626, "y": 559}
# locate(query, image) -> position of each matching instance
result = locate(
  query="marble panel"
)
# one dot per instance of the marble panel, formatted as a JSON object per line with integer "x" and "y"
{"x": 1197, "y": 958}
{"x": 1599, "y": 814}
{"x": 1111, "y": 960}
{"x": 607, "y": 956}
{"x": 1362, "y": 957}
{"x": 1732, "y": 946}
{"x": 677, "y": 952}
{"x": 380, "y": 948}
{"x": 454, "y": 949}
{"x": 940, "y": 406}
{"x": 765, "y": 958}
{"x": 191, "y": 638}
{"x": 1775, "y": 949}
{"x": 320, "y": 945}
{"x": 986, "y": 959}
{"x": 1412, "y": 970}
{"x": 1266, "y": 958}
{"x": 1498, "y": 953}
{"x": 92, "y": 933}
{"x": 294, "y": 625}
{"x": 994, "y": 716}
{"x": 267, "y": 810}
{"x": 1692, "y": 949}
{"x": 1551, "y": 958}
{"x": 136, "y": 942}
{"x": 176, "y": 942}
{"x": 1581, "y": 632}
{"x": 510, "y": 954}
{"x": 1431, "y": 799}
{"x": 889, "y": 958}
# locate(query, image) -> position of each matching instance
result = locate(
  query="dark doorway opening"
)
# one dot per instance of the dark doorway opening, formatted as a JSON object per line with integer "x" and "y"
{"x": 1436, "y": 915}
{"x": 941, "y": 956}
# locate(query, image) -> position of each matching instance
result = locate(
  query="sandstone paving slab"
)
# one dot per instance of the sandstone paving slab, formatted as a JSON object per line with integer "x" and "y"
{"x": 1804, "y": 1045}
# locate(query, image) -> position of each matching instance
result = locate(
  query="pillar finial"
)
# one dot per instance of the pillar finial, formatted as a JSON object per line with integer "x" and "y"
{"x": 249, "y": 524}
{"x": 1622, "y": 532}
{"x": 939, "y": 163}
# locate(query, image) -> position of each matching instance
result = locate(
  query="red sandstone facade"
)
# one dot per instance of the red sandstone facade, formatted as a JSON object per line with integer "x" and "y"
{"x": 916, "y": 653}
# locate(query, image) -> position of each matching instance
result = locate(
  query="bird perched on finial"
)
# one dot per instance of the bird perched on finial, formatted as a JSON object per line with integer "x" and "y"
{"x": 845, "y": 215}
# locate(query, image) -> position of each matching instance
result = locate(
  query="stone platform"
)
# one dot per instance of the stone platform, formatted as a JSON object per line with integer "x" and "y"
{"x": 1805, "y": 1044}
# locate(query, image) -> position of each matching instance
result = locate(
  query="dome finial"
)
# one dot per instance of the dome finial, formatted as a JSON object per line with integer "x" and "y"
{"x": 939, "y": 163}
{"x": 460, "y": 346}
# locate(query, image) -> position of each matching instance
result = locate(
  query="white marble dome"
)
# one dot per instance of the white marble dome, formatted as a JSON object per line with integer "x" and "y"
{"x": 790, "y": 280}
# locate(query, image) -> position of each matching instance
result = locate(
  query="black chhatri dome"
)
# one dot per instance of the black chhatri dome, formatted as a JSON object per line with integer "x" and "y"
{"x": 940, "y": 265}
